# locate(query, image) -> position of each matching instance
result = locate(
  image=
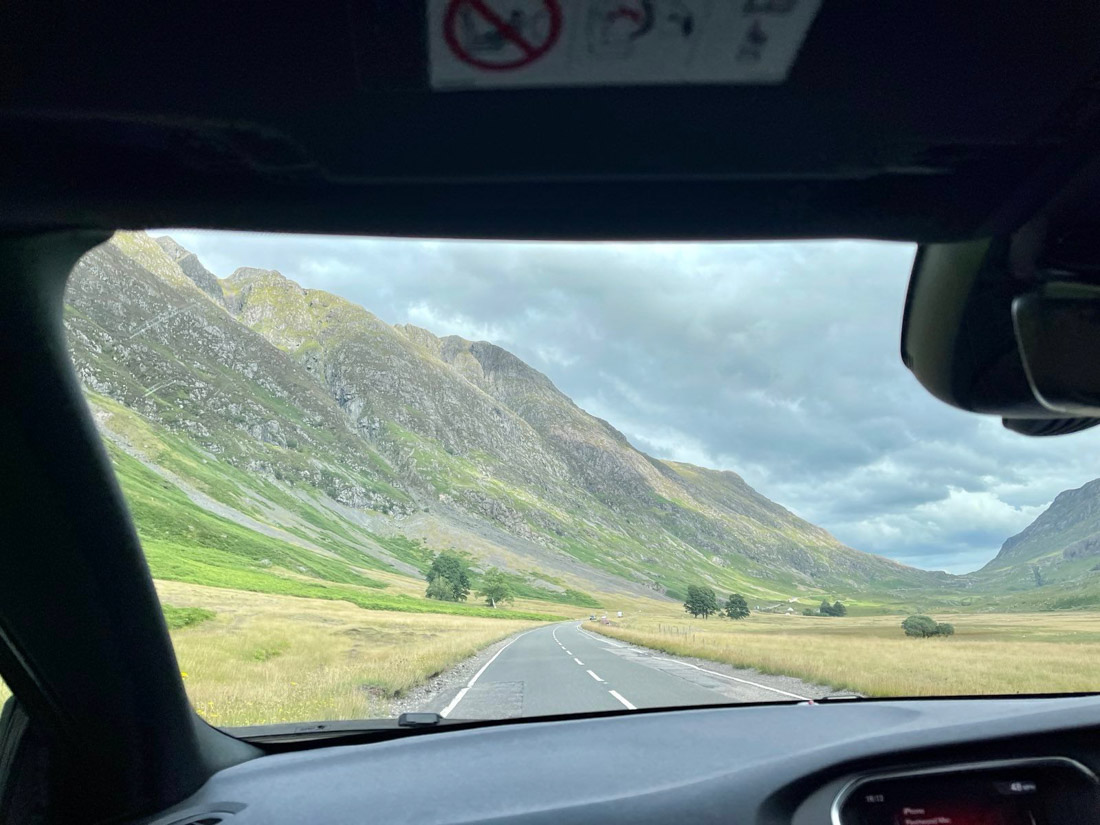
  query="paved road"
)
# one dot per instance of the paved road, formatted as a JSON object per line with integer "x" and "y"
{"x": 563, "y": 668}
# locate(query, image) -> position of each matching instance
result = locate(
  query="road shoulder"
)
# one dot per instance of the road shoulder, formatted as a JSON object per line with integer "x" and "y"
{"x": 768, "y": 687}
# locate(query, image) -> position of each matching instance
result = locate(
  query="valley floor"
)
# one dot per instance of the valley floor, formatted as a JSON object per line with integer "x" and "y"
{"x": 990, "y": 653}
{"x": 261, "y": 658}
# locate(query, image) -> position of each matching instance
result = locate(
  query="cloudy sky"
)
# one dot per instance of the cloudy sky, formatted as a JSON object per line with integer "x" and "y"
{"x": 776, "y": 360}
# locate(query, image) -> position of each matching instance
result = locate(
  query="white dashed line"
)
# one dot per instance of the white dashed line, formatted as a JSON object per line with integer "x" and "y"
{"x": 568, "y": 652}
{"x": 626, "y": 704}
{"x": 578, "y": 661}
{"x": 454, "y": 702}
{"x": 594, "y": 676}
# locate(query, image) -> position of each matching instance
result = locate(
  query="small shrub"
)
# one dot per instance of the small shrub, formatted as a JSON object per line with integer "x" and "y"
{"x": 922, "y": 627}
{"x": 919, "y": 627}
{"x": 180, "y": 617}
{"x": 269, "y": 651}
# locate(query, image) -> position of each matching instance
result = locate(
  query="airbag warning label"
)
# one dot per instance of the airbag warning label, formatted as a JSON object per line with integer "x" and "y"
{"x": 487, "y": 44}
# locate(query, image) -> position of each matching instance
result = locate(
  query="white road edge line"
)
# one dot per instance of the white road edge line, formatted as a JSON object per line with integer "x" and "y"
{"x": 599, "y": 638}
{"x": 733, "y": 678}
{"x": 454, "y": 702}
{"x": 578, "y": 661}
{"x": 594, "y": 676}
{"x": 626, "y": 704}
{"x": 703, "y": 669}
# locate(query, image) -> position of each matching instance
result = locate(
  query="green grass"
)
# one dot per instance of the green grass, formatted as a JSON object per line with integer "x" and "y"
{"x": 163, "y": 513}
{"x": 524, "y": 589}
{"x": 178, "y": 618}
{"x": 200, "y": 565}
{"x": 183, "y": 542}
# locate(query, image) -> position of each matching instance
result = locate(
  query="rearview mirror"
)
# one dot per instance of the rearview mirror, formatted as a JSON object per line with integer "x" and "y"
{"x": 985, "y": 333}
{"x": 1058, "y": 333}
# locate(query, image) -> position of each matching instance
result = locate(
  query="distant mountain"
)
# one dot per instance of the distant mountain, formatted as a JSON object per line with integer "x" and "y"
{"x": 1058, "y": 553}
{"x": 356, "y": 446}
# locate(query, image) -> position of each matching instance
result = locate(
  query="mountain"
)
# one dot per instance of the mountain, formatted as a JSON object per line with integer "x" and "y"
{"x": 1057, "y": 556}
{"x": 277, "y": 432}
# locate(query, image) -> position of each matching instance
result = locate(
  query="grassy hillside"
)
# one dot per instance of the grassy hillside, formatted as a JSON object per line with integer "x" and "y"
{"x": 282, "y": 440}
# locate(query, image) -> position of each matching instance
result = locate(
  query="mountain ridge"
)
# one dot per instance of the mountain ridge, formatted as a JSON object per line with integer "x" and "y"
{"x": 360, "y": 433}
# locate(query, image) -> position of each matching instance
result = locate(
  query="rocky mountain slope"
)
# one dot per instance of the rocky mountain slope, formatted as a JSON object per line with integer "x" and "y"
{"x": 1057, "y": 556}
{"x": 349, "y": 449}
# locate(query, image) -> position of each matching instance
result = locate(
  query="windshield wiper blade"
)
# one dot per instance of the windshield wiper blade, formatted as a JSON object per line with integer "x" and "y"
{"x": 405, "y": 723}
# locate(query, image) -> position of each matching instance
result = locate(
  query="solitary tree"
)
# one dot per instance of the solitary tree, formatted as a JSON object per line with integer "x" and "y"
{"x": 839, "y": 609}
{"x": 495, "y": 588}
{"x": 448, "y": 577}
{"x": 737, "y": 607}
{"x": 701, "y": 601}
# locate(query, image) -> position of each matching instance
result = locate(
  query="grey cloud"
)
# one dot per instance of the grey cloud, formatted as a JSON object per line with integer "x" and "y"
{"x": 776, "y": 360}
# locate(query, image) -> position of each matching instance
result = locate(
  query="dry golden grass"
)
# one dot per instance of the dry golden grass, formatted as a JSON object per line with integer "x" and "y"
{"x": 990, "y": 653}
{"x": 266, "y": 659}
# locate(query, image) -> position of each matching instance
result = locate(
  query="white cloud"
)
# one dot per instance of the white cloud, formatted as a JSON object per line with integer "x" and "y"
{"x": 424, "y": 315}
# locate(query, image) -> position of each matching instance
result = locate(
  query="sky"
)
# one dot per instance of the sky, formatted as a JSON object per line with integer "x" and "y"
{"x": 779, "y": 361}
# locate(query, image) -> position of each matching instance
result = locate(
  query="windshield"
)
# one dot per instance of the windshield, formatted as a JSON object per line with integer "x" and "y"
{"x": 502, "y": 480}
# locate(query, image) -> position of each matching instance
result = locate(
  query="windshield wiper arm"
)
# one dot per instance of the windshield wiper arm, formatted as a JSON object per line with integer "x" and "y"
{"x": 406, "y": 723}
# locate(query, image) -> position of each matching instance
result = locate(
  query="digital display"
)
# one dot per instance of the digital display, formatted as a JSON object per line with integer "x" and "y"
{"x": 964, "y": 813}
{"x": 947, "y": 800}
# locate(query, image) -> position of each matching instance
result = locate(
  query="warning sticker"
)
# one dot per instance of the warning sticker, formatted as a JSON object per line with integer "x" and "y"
{"x": 486, "y": 44}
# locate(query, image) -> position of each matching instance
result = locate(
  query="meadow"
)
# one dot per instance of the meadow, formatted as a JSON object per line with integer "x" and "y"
{"x": 265, "y": 658}
{"x": 252, "y": 658}
{"x": 1006, "y": 653}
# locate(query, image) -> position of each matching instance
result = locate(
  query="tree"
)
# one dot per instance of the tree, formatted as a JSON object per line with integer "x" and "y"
{"x": 737, "y": 607}
{"x": 701, "y": 601}
{"x": 448, "y": 577}
{"x": 945, "y": 629}
{"x": 495, "y": 588}
{"x": 826, "y": 609}
{"x": 920, "y": 627}
{"x": 808, "y": 611}
{"x": 839, "y": 609}
{"x": 440, "y": 589}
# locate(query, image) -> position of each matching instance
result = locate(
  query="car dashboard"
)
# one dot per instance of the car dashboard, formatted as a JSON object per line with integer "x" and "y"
{"x": 915, "y": 762}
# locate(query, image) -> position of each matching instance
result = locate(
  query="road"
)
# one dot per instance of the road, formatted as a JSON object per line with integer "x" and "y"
{"x": 564, "y": 668}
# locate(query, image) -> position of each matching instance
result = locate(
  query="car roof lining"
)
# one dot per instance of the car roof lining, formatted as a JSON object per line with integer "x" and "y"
{"x": 897, "y": 121}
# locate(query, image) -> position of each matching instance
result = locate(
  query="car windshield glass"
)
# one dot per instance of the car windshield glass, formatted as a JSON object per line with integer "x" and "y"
{"x": 501, "y": 480}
